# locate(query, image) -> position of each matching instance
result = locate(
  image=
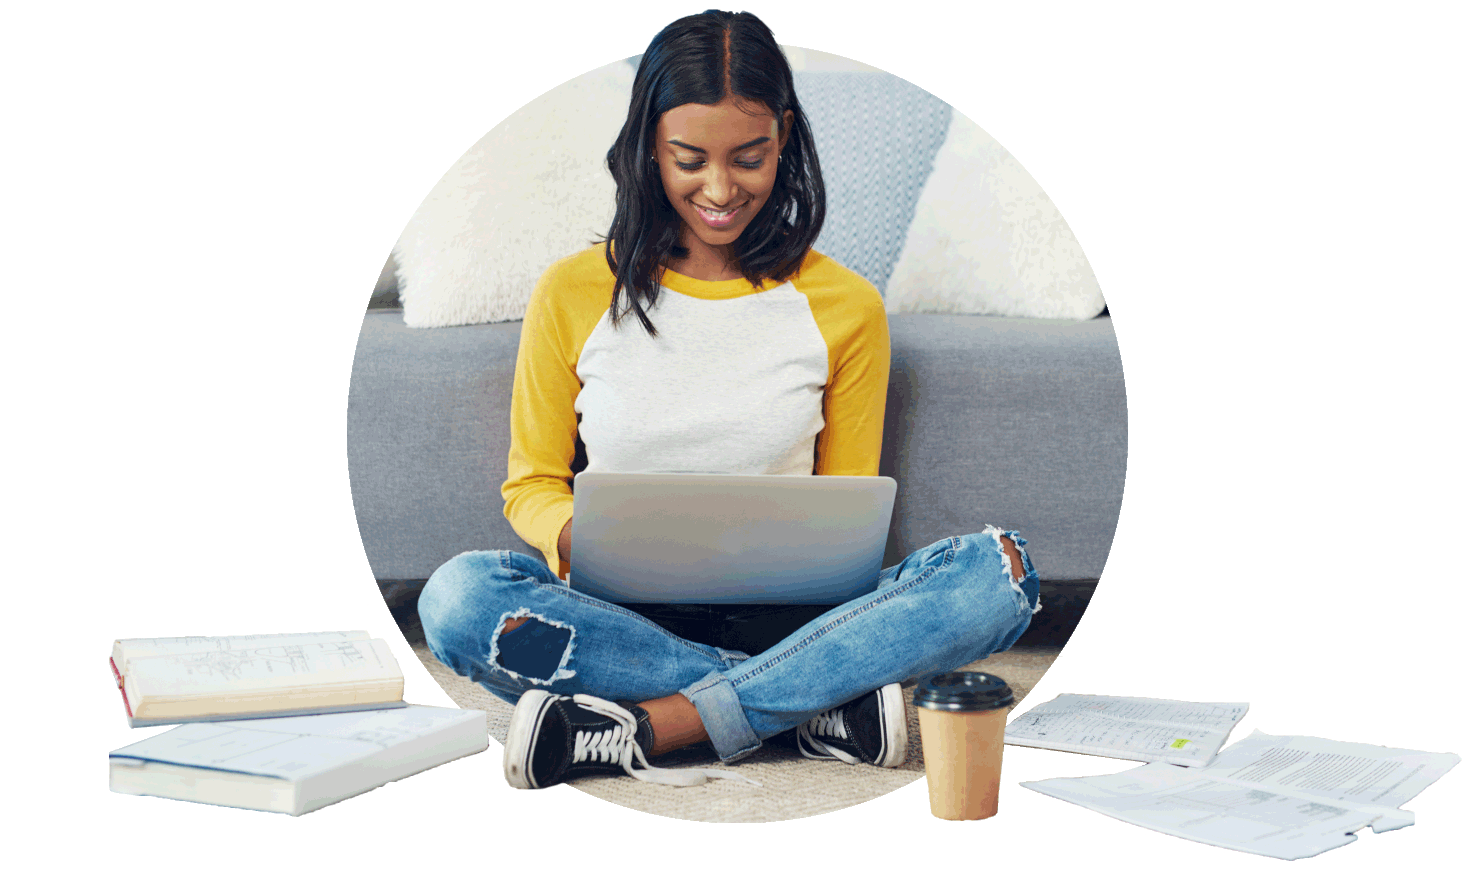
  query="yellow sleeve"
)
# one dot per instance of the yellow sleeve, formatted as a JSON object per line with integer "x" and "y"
{"x": 568, "y": 301}
{"x": 850, "y": 314}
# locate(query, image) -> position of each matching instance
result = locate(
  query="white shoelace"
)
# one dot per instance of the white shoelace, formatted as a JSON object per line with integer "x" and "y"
{"x": 826, "y": 723}
{"x": 619, "y": 745}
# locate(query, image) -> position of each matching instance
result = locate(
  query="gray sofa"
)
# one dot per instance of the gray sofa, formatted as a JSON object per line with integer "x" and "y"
{"x": 1017, "y": 422}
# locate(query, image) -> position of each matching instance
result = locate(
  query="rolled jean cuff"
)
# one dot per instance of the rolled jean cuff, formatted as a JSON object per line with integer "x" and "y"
{"x": 724, "y": 720}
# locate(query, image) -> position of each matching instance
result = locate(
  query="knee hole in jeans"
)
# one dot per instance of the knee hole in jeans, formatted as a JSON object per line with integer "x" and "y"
{"x": 1009, "y": 548}
{"x": 534, "y": 651}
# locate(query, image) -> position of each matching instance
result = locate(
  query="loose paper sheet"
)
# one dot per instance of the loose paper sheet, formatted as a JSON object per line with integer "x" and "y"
{"x": 1129, "y": 727}
{"x": 1381, "y": 778}
{"x": 1279, "y": 796}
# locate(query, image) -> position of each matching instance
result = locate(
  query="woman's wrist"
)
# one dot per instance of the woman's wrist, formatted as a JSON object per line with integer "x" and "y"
{"x": 562, "y": 544}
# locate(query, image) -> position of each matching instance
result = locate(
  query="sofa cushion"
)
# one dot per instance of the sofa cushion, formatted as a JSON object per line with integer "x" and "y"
{"x": 876, "y": 135}
{"x": 986, "y": 239}
{"x": 428, "y": 442}
{"x": 531, "y": 191}
{"x": 1015, "y": 422}
{"x": 1020, "y": 423}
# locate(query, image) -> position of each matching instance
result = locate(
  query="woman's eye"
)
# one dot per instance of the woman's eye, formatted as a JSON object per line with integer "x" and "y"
{"x": 690, "y": 166}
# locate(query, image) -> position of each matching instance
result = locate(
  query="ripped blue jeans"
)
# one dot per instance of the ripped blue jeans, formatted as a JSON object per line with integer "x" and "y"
{"x": 944, "y": 606}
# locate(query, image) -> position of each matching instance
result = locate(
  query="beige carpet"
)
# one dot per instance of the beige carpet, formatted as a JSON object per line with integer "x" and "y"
{"x": 792, "y": 786}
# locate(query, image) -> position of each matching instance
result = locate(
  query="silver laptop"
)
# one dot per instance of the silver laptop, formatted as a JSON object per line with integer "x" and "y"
{"x": 728, "y": 538}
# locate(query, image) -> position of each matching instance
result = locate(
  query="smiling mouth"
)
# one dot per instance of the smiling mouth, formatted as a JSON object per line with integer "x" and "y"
{"x": 717, "y": 218}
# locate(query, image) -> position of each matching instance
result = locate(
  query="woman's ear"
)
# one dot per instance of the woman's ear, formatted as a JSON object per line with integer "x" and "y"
{"x": 786, "y": 118}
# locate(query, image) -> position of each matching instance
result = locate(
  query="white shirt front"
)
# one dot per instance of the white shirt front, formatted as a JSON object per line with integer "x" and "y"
{"x": 728, "y": 386}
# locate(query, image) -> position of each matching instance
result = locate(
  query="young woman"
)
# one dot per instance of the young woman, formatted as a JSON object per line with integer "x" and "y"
{"x": 707, "y": 335}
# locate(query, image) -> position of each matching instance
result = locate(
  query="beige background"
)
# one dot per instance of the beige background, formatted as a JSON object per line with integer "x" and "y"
{"x": 197, "y": 205}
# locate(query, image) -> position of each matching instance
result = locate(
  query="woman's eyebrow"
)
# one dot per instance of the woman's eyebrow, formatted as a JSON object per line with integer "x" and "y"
{"x": 740, "y": 148}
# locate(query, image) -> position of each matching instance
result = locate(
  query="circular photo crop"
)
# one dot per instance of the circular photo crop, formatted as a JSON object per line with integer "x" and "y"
{"x": 715, "y": 399}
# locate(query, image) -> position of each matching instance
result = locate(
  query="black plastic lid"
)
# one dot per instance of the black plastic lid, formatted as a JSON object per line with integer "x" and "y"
{"x": 963, "y": 691}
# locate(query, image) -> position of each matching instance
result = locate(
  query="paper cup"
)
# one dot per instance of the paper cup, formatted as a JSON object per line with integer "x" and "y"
{"x": 962, "y": 717}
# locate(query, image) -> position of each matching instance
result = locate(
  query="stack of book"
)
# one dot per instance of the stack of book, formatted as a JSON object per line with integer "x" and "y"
{"x": 287, "y": 723}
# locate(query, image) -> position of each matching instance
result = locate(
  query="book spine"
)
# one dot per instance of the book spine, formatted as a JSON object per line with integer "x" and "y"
{"x": 118, "y": 678}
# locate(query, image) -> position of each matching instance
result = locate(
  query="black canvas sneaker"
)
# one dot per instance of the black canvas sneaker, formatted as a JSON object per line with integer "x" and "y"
{"x": 869, "y": 729}
{"x": 554, "y": 739}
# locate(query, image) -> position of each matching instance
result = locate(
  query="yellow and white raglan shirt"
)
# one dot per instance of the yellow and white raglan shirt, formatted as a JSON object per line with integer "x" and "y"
{"x": 788, "y": 378}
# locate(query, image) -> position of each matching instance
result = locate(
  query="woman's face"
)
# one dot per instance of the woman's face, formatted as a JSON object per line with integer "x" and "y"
{"x": 718, "y": 165}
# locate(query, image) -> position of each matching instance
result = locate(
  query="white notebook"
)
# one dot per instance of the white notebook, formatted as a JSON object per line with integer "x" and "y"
{"x": 295, "y": 764}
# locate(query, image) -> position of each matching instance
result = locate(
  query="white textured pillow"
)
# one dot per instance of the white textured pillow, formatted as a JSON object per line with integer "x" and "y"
{"x": 986, "y": 240}
{"x": 534, "y": 190}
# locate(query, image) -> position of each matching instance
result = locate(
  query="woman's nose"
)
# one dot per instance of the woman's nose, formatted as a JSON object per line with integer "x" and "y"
{"x": 718, "y": 186}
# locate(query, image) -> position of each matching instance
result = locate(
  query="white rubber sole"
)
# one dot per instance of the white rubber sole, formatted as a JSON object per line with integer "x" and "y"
{"x": 893, "y": 727}
{"x": 520, "y": 744}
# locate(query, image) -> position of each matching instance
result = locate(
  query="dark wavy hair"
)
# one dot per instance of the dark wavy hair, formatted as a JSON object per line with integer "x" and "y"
{"x": 706, "y": 59}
